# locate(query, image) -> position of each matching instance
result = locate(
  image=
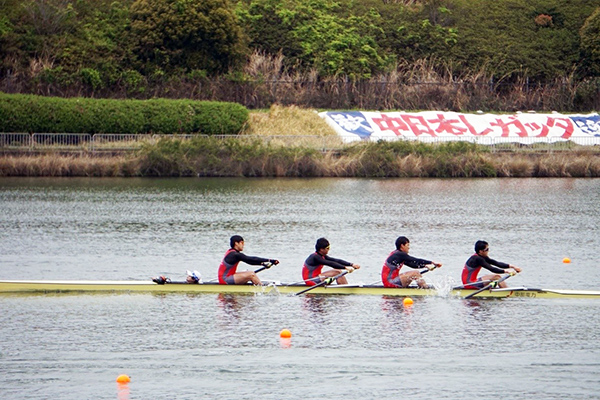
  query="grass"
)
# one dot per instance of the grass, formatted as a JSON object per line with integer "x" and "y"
{"x": 279, "y": 120}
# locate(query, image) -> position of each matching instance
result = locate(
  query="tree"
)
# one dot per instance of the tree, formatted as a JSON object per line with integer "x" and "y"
{"x": 316, "y": 34}
{"x": 533, "y": 38}
{"x": 269, "y": 30}
{"x": 186, "y": 35}
{"x": 418, "y": 32}
{"x": 590, "y": 43}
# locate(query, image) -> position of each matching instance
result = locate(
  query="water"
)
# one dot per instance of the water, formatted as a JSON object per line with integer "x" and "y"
{"x": 353, "y": 347}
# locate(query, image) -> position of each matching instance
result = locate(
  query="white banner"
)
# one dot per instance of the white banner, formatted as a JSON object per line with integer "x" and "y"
{"x": 432, "y": 126}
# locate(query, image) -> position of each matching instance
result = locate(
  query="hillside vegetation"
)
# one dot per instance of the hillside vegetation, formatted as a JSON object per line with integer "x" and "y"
{"x": 250, "y": 50}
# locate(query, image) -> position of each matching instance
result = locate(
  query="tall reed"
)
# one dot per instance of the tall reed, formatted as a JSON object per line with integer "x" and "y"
{"x": 216, "y": 157}
{"x": 55, "y": 164}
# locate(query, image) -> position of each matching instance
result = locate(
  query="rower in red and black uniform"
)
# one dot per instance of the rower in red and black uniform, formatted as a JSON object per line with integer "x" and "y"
{"x": 228, "y": 274}
{"x": 390, "y": 273}
{"x": 481, "y": 260}
{"x": 312, "y": 271}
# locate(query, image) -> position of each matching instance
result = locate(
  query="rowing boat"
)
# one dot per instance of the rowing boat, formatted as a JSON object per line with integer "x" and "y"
{"x": 22, "y": 286}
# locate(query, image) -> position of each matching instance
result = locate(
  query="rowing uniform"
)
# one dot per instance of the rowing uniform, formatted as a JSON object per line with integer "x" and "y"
{"x": 315, "y": 263}
{"x": 474, "y": 265}
{"x": 230, "y": 263}
{"x": 390, "y": 273}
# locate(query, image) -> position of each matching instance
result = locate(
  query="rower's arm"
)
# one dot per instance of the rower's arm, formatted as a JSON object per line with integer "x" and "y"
{"x": 335, "y": 262}
{"x": 252, "y": 260}
{"x": 494, "y": 266}
{"x": 414, "y": 262}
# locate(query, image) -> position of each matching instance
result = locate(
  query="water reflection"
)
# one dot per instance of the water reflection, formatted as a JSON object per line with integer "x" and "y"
{"x": 316, "y": 307}
{"x": 394, "y": 305}
{"x": 230, "y": 304}
{"x": 123, "y": 391}
{"x": 314, "y": 303}
{"x": 398, "y": 316}
{"x": 478, "y": 310}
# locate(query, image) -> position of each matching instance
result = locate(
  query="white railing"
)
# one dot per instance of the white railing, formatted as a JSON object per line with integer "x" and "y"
{"x": 103, "y": 142}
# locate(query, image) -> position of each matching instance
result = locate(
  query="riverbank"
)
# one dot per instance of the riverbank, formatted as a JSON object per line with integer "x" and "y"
{"x": 210, "y": 158}
{"x": 303, "y": 155}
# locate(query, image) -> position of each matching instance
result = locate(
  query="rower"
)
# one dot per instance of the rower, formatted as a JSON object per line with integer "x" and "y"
{"x": 228, "y": 274}
{"x": 312, "y": 270}
{"x": 390, "y": 273}
{"x": 481, "y": 259}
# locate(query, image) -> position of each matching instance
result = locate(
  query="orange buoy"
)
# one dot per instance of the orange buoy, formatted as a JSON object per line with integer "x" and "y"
{"x": 407, "y": 302}
{"x": 285, "y": 333}
{"x": 123, "y": 378}
{"x": 566, "y": 260}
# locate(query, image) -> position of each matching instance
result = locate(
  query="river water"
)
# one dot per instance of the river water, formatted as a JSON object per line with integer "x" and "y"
{"x": 180, "y": 346}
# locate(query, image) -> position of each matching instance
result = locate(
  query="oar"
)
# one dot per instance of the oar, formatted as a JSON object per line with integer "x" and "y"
{"x": 302, "y": 281}
{"x": 326, "y": 281}
{"x": 471, "y": 284}
{"x": 493, "y": 283}
{"x": 265, "y": 265}
{"x": 428, "y": 269}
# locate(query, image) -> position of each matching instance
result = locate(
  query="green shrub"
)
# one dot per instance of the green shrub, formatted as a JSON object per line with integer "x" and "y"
{"x": 28, "y": 113}
{"x": 91, "y": 77}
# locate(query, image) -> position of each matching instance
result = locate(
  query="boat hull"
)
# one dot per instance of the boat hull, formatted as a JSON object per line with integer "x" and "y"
{"x": 15, "y": 286}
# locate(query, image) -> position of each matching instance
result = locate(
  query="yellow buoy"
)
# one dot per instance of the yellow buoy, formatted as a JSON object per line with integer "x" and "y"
{"x": 566, "y": 260}
{"x": 285, "y": 333}
{"x": 123, "y": 378}
{"x": 407, "y": 302}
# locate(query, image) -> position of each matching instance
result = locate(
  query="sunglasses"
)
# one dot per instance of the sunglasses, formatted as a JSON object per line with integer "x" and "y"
{"x": 488, "y": 249}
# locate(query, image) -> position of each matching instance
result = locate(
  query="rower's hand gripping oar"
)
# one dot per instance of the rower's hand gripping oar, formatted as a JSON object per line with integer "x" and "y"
{"x": 427, "y": 269}
{"x": 265, "y": 265}
{"x": 326, "y": 281}
{"x": 492, "y": 284}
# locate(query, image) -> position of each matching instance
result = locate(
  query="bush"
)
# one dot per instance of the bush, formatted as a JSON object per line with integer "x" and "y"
{"x": 27, "y": 113}
{"x": 91, "y": 77}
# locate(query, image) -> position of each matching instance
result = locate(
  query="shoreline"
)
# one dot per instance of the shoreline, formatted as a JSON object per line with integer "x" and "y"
{"x": 306, "y": 163}
{"x": 309, "y": 148}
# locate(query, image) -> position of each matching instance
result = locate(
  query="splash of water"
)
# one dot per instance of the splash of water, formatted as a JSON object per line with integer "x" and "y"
{"x": 443, "y": 284}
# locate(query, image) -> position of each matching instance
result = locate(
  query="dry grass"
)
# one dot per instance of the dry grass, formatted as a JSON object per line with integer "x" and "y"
{"x": 516, "y": 166}
{"x": 311, "y": 164}
{"x": 292, "y": 120}
{"x": 60, "y": 165}
{"x": 425, "y": 84}
{"x": 568, "y": 165}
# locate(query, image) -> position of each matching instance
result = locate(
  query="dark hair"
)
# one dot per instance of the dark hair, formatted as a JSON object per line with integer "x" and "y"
{"x": 321, "y": 244}
{"x": 400, "y": 241}
{"x": 235, "y": 239}
{"x": 480, "y": 245}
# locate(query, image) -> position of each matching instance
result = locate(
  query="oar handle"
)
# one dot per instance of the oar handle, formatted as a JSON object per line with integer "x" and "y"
{"x": 427, "y": 269}
{"x": 265, "y": 265}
